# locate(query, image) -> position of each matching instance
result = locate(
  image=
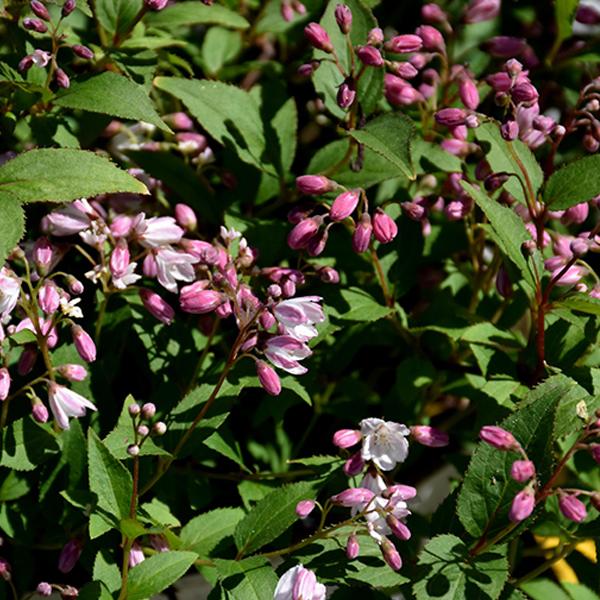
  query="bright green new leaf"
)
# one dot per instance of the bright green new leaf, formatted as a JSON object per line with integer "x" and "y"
{"x": 204, "y": 532}
{"x": 12, "y": 224}
{"x": 576, "y": 182}
{"x": 251, "y": 579}
{"x": 25, "y": 445}
{"x": 196, "y": 13}
{"x": 117, "y": 16}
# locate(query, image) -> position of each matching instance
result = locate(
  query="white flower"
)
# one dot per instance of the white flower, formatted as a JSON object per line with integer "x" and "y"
{"x": 157, "y": 231}
{"x": 384, "y": 442}
{"x": 298, "y": 583}
{"x": 66, "y": 403}
{"x": 10, "y": 288}
{"x": 70, "y": 308}
{"x": 71, "y": 219}
{"x": 228, "y": 235}
{"x": 128, "y": 278}
{"x": 285, "y": 352}
{"x": 173, "y": 266}
{"x": 297, "y": 316}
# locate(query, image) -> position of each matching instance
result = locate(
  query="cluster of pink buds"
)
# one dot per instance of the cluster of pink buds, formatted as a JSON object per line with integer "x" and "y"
{"x": 311, "y": 232}
{"x": 42, "y": 23}
{"x": 299, "y": 583}
{"x": 67, "y": 592}
{"x": 291, "y": 8}
{"x": 142, "y": 418}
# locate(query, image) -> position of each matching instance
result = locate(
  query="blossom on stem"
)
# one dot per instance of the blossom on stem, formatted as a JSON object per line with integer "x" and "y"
{"x": 429, "y": 436}
{"x": 297, "y": 316}
{"x": 522, "y": 470}
{"x": 268, "y": 378}
{"x": 572, "y": 507}
{"x": 346, "y": 438}
{"x": 10, "y": 289}
{"x": 156, "y": 231}
{"x": 4, "y": 383}
{"x": 156, "y": 306}
{"x": 136, "y": 555}
{"x": 318, "y": 37}
{"x": 498, "y": 438}
{"x": 299, "y": 583}
{"x": 83, "y": 343}
{"x": 522, "y": 505}
{"x": 384, "y": 442}
{"x": 196, "y": 299}
{"x": 285, "y": 352}
{"x": 66, "y": 403}
{"x": 304, "y": 508}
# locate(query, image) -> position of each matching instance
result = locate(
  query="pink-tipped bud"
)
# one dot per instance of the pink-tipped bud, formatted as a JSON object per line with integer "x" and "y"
{"x": 4, "y": 383}
{"x": 343, "y": 17}
{"x": 155, "y": 5}
{"x": 73, "y": 372}
{"x": 119, "y": 259}
{"x": 468, "y": 93}
{"x": 179, "y": 121}
{"x": 69, "y": 555}
{"x": 352, "y": 547}
{"x": 362, "y": 234}
{"x": 579, "y": 247}
{"x": 268, "y": 378}
{"x": 304, "y": 508}
{"x": 354, "y": 465}
{"x": 353, "y": 497}
{"x": 432, "y": 39}
{"x": 346, "y": 438}
{"x": 43, "y": 253}
{"x": 391, "y": 555}
{"x": 83, "y": 343}
{"x": 133, "y": 450}
{"x": 157, "y": 307}
{"x": 148, "y": 410}
{"x": 44, "y": 589}
{"x": 522, "y": 470}
{"x": 432, "y": 13}
{"x": 35, "y": 25}
{"x": 39, "y": 412}
{"x": 75, "y": 286}
{"x": 572, "y": 508}
{"x": 482, "y": 10}
{"x": 134, "y": 409}
{"x": 303, "y": 232}
{"x": 576, "y": 214}
{"x": 510, "y": 130}
{"x": 524, "y": 93}
{"x": 314, "y": 185}
{"x": 328, "y": 275}
{"x": 48, "y": 298}
{"x": 400, "y": 491}
{"x": 345, "y": 96}
{"x": 83, "y": 51}
{"x": 68, "y": 7}
{"x": 375, "y": 37}
{"x": 344, "y": 205}
{"x": 429, "y": 436}
{"x": 159, "y": 428}
{"x": 399, "y": 529}
{"x": 402, "y": 44}
{"x": 522, "y": 505}
{"x": 287, "y": 12}
{"x": 498, "y": 438}
{"x": 62, "y": 79}
{"x": 143, "y": 430}
{"x": 384, "y": 227}
{"x": 318, "y": 37}
{"x": 451, "y": 117}
{"x": 40, "y": 10}
{"x": 25, "y": 63}
{"x": 404, "y": 70}
{"x": 185, "y": 217}
{"x": 370, "y": 56}
{"x": 197, "y": 300}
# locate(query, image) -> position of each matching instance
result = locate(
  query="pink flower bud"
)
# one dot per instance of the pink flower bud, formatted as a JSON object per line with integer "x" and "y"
{"x": 375, "y": 37}
{"x": 586, "y": 14}
{"x": 482, "y": 10}
{"x": 429, "y": 436}
{"x": 344, "y": 205}
{"x": 432, "y": 13}
{"x": 451, "y": 117}
{"x": 157, "y": 307}
{"x": 346, "y": 438}
{"x": 404, "y": 70}
{"x": 197, "y": 300}
{"x": 576, "y": 214}
{"x": 72, "y": 372}
{"x": 119, "y": 259}
{"x": 179, "y": 121}
{"x": 522, "y": 505}
{"x": 25, "y": 63}
{"x": 384, "y": 227}
{"x": 352, "y": 547}
{"x": 468, "y": 93}
{"x": 399, "y": 529}
{"x": 159, "y": 428}
{"x": 400, "y": 491}
{"x": 268, "y": 378}
{"x": 148, "y": 410}
{"x": 287, "y": 12}
{"x": 572, "y": 508}
{"x": 69, "y": 555}
{"x": 390, "y": 555}
{"x": 500, "y": 82}
{"x": 4, "y": 383}
{"x": 83, "y": 343}
{"x": 353, "y": 497}
{"x": 314, "y": 185}
{"x": 143, "y": 430}
{"x": 316, "y": 245}
{"x": 304, "y": 508}
{"x": 302, "y": 233}
{"x": 399, "y": 92}
{"x": 185, "y": 217}
{"x": 370, "y": 56}
{"x": 579, "y": 247}
{"x": 191, "y": 143}
{"x": 155, "y": 5}
{"x": 503, "y": 283}
{"x": 48, "y": 298}
{"x": 35, "y": 25}
{"x": 504, "y": 46}
{"x": 318, "y": 37}
{"x": 524, "y": 93}
{"x": 44, "y": 589}
{"x": 522, "y": 470}
{"x": 498, "y": 438}
{"x": 510, "y": 130}
{"x": 354, "y": 465}
{"x": 62, "y": 79}
{"x": 75, "y": 286}
{"x": 83, "y": 51}
{"x": 432, "y": 38}
{"x": 68, "y": 7}
{"x": 362, "y": 234}
{"x": 402, "y": 44}
{"x": 345, "y": 96}
{"x": 40, "y": 10}
{"x": 343, "y": 17}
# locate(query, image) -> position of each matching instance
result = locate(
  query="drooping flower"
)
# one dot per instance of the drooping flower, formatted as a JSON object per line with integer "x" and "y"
{"x": 297, "y": 316}
{"x": 285, "y": 352}
{"x": 66, "y": 403}
{"x": 384, "y": 442}
{"x": 157, "y": 231}
{"x": 10, "y": 288}
{"x": 298, "y": 583}
{"x": 173, "y": 266}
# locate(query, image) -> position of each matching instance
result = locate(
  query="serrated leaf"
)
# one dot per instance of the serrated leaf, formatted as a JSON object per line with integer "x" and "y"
{"x": 228, "y": 113}
{"x": 390, "y": 136}
{"x": 106, "y": 571}
{"x": 581, "y": 303}
{"x": 358, "y": 305}
{"x": 117, "y": 16}
{"x": 195, "y": 13}
{"x": 204, "y": 532}
{"x": 449, "y": 573}
{"x": 576, "y": 182}
{"x": 25, "y": 444}
{"x": 271, "y": 516}
{"x": 111, "y": 94}
{"x": 488, "y": 490}
{"x": 62, "y": 174}
{"x": 12, "y": 224}
{"x": 429, "y": 153}
{"x": 251, "y": 579}
{"x": 160, "y": 513}
{"x": 13, "y": 487}
{"x": 219, "y": 47}
{"x": 511, "y": 157}
{"x": 108, "y": 479}
{"x": 158, "y": 572}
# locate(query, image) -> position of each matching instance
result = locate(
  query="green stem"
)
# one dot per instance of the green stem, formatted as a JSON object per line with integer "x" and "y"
{"x": 546, "y": 565}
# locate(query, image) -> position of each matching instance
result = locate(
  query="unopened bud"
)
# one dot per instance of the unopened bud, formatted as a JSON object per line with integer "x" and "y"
{"x": 159, "y": 428}
{"x": 148, "y": 410}
{"x": 343, "y": 17}
{"x": 142, "y": 430}
{"x": 44, "y": 589}
{"x": 134, "y": 409}
{"x": 133, "y": 450}
{"x": 318, "y": 37}
{"x": 83, "y": 51}
{"x": 68, "y": 7}
{"x": 40, "y": 10}
{"x": 352, "y": 547}
{"x": 304, "y": 508}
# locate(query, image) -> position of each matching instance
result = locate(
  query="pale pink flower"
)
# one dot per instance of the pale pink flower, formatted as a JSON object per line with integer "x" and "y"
{"x": 157, "y": 231}
{"x": 69, "y": 220}
{"x": 136, "y": 555}
{"x": 384, "y": 442}
{"x": 66, "y": 403}
{"x": 285, "y": 352}
{"x": 297, "y": 316}
{"x": 173, "y": 266}
{"x": 10, "y": 288}
{"x": 299, "y": 583}
{"x": 128, "y": 277}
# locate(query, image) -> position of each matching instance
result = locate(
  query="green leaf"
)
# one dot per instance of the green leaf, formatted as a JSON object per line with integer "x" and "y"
{"x": 488, "y": 490}
{"x": 426, "y": 153}
{"x": 111, "y": 94}
{"x": 544, "y": 589}
{"x": 224, "y": 442}
{"x": 25, "y": 445}
{"x": 357, "y": 305}
{"x": 578, "y": 591}
{"x": 12, "y": 224}
{"x": 219, "y": 47}
{"x": 202, "y": 533}
{"x": 13, "y": 487}
{"x": 108, "y": 479}
{"x": 271, "y": 516}
{"x": 564, "y": 11}
{"x": 106, "y": 571}
{"x": 117, "y": 16}
{"x": 449, "y": 573}
{"x": 390, "y": 136}
{"x": 196, "y": 13}
{"x": 158, "y": 572}
{"x": 581, "y": 303}
{"x": 251, "y": 579}
{"x": 61, "y": 174}
{"x": 508, "y": 227}
{"x": 576, "y": 182}
{"x": 228, "y": 113}
{"x": 511, "y": 157}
